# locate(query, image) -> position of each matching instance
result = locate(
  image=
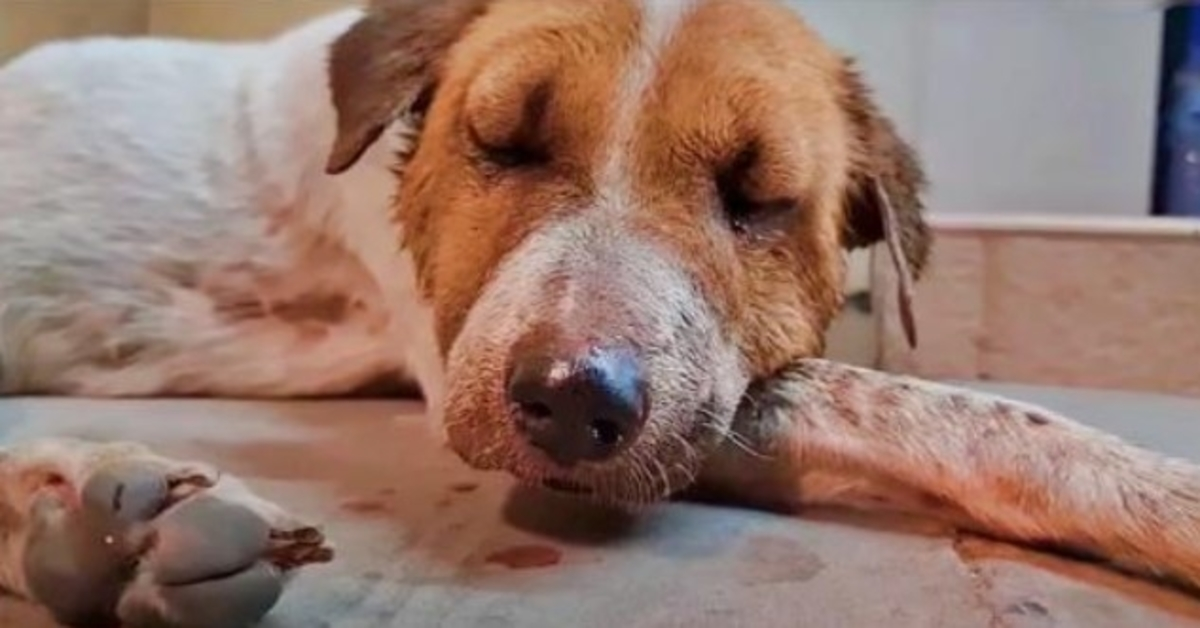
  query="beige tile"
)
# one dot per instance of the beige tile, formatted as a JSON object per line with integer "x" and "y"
{"x": 853, "y": 336}
{"x": 1107, "y": 311}
{"x": 1108, "y": 305}
{"x": 949, "y": 308}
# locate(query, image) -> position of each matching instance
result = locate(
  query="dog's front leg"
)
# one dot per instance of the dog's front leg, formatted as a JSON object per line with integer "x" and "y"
{"x": 102, "y": 533}
{"x": 825, "y": 433}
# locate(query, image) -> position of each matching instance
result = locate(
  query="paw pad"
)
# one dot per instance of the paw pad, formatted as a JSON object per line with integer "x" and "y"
{"x": 133, "y": 552}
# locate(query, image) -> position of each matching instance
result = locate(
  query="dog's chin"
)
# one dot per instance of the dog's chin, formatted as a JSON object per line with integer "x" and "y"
{"x": 666, "y": 459}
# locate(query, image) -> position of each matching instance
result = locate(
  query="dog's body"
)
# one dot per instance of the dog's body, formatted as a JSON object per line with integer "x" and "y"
{"x": 218, "y": 257}
{"x": 587, "y": 235}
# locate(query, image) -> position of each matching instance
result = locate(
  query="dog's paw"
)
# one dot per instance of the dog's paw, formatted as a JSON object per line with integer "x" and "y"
{"x": 146, "y": 542}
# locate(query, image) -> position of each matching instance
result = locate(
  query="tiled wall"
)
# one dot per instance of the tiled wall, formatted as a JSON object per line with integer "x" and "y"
{"x": 1111, "y": 303}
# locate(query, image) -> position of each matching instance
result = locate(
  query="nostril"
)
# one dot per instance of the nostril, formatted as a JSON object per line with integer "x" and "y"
{"x": 537, "y": 410}
{"x": 606, "y": 433}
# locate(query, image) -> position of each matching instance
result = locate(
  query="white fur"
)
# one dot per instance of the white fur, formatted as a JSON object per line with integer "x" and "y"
{"x": 219, "y": 153}
{"x": 660, "y": 20}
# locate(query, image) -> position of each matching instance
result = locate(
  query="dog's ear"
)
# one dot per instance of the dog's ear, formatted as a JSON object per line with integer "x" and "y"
{"x": 387, "y": 65}
{"x": 883, "y": 199}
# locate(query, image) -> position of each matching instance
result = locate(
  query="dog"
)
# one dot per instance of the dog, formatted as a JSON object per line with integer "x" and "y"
{"x": 604, "y": 238}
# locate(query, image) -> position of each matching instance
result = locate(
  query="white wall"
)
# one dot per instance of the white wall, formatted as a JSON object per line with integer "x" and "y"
{"x": 1030, "y": 106}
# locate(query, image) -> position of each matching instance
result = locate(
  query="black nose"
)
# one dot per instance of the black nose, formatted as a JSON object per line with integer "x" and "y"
{"x": 578, "y": 407}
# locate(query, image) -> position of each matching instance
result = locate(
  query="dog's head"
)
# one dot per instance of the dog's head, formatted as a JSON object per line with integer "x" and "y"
{"x": 622, "y": 212}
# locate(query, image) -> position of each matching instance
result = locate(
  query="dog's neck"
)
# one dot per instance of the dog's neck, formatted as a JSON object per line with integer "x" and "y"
{"x": 292, "y": 124}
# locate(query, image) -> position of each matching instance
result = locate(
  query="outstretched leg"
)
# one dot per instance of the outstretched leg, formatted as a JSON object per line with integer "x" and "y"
{"x": 106, "y": 532}
{"x": 826, "y": 433}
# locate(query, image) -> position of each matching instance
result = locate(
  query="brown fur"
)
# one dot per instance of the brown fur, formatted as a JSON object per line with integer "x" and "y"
{"x": 384, "y": 64}
{"x": 799, "y": 137}
{"x": 460, "y": 216}
{"x": 766, "y": 97}
{"x": 884, "y": 158}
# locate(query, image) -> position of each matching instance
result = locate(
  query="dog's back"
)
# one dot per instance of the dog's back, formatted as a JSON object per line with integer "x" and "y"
{"x": 139, "y": 206}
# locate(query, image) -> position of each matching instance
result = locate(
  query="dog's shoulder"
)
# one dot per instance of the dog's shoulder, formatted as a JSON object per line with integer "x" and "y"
{"x": 114, "y": 65}
{"x": 161, "y": 103}
{"x": 110, "y": 87}
{"x": 108, "y": 69}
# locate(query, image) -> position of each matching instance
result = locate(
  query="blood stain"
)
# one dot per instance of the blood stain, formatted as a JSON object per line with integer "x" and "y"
{"x": 525, "y": 557}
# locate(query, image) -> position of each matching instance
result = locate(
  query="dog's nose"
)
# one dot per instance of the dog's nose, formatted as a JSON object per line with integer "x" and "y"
{"x": 579, "y": 407}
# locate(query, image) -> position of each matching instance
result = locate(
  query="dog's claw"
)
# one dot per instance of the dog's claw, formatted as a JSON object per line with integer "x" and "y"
{"x": 307, "y": 535}
{"x": 295, "y": 548}
{"x": 293, "y": 557}
{"x": 132, "y": 549}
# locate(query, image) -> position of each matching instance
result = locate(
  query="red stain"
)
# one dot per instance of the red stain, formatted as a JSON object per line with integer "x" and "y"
{"x": 525, "y": 557}
{"x": 464, "y": 487}
{"x": 364, "y": 506}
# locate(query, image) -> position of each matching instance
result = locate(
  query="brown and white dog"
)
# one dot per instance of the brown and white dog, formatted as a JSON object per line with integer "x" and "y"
{"x": 604, "y": 237}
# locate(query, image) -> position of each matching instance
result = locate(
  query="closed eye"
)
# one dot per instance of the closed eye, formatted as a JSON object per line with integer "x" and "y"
{"x": 746, "y": 214}
{"x": 517, "y": 142}
{"x": 513, "y": 156}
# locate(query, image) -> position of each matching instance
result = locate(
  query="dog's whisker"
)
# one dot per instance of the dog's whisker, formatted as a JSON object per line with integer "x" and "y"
{"x": 734, "y": 438}
{"x": 740, "y": 442}
{"x": 665, "y": 488}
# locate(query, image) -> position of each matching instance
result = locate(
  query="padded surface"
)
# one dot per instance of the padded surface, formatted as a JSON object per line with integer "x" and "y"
{"x": 425, "y": 542}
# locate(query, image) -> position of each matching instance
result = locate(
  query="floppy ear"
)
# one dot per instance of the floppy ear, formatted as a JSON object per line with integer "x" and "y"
{"x": 883, "y": 199}
{"x": 387, "y": 66}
